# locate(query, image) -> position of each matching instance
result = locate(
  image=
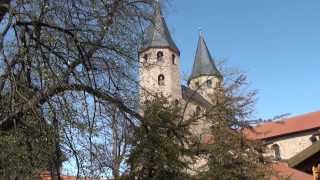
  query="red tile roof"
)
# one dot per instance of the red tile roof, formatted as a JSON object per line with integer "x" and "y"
{"x": 283, "y": 127}
{"x": 283, "y": 171}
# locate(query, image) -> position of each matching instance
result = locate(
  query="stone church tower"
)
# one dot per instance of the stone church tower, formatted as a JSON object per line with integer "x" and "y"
{"x": 159, "y": 61}
{"x": 159, "y": 71}
{"x": 205, "y": 77}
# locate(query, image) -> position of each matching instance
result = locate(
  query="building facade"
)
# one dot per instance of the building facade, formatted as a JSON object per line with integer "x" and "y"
{"x": 292, "y": 141}
{"x": 160, "y": 69}
{"x": 159, "y": 59}
{"x": 160, "y": 74}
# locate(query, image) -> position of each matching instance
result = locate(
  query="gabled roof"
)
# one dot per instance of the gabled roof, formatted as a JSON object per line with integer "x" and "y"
{"x": 203, "y": 62}
{"x": 284, "y": 127}
{"x": 157, "y": 34}
{"x": 191, "y": 95}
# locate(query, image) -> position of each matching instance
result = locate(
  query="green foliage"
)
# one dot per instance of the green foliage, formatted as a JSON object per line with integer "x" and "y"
{"x": 230, "y": 155}
{"x": 68, "y": 66}
{"x": 159, "y": 143}
{"x": 25, "y": 151}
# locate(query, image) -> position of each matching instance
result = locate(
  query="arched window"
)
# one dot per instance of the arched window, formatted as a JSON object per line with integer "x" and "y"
{"x": 198, "y": 110}
{"x": 146, "y": 102}
{"x": 209, "y": 83}
{"x": 218, "y": 84}
{"x": 313, "y": 139}
{"x": 197, "y": 84}
{"x": 145, "y": 58}
{"x": 173, "y": 58}
{"x": 159, "y": 56}
{"x": 176, "y": 102}
{"x": 276, "y": 151}
{"x": 161, "y": 80}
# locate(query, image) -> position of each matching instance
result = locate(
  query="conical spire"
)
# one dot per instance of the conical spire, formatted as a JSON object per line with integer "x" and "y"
{"x": 203, "y": 63}
{"x": 158, "y": 35}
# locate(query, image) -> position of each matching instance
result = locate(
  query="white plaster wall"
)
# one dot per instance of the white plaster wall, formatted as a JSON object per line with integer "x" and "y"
{"x": 290, "y": 145}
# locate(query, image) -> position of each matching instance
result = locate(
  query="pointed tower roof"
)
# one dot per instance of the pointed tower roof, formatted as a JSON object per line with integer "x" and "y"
{"x": 158, "y": 34}
{"x": 203, "y": 63}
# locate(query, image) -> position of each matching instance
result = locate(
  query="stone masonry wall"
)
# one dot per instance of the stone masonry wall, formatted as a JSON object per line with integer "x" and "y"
{"x": 151, "y": 69}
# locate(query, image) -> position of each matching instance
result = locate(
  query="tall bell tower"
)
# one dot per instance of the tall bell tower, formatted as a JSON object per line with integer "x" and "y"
{"x": 159, "y": 61}
{"x": 205, "y": 78}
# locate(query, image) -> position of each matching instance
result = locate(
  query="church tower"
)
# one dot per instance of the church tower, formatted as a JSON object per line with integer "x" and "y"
{"x": 205, "y": 77}
{"x": 159, "y": 61}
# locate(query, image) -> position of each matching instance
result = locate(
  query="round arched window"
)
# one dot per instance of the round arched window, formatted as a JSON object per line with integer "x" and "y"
{"x": 209, "y": 83}
{"x": 147, "y": 101}
{"x": 145, "y": 58}
{"x": 159, "y": 56}
{"x": 161, "y": 80}
{"x": 276, "y": 151}
{"x": 176, "y": 102}
{"x": 197, "y": 84}
{"x": 173, "y": 58}
{"x": 198, "y": 110}
{"x": 313, "y": 139}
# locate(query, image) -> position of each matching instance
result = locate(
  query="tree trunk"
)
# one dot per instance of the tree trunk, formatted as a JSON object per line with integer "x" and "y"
{"x": 115, "y": 154}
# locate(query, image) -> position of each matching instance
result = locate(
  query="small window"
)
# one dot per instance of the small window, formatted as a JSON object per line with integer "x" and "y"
{"x": 160, "y": 56}
{"x": 197, "y": 84}
{"x": 161, "y": 80}
{"x": 173, "y": 59}
{"x": 145, "y": 58}
{"x": 198, "y": 110}
{"x": 176, "y": 102}
{"x": 313, "y": 139}
{"x": 276, "y": 151}
{"x": 209, "y": 83}
{"x": 146, "y": 102}
{"x": 218, "y": 84}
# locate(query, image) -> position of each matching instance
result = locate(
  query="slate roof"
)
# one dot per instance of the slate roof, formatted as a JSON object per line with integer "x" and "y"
{"x": 203, "y": 63}
{"x": 157, "y": 34}
{"x": 191, "y": 95}
{"x": 284, "y": 127}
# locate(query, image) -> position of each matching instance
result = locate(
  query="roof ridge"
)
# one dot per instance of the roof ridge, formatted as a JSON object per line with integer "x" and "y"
{"x": 287, "y": 118}
{"x": 296, "y": 124}
{"x": 302, "y": 115}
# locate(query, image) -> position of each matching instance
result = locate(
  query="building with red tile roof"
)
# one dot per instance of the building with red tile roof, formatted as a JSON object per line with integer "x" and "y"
{"x": 284, "y": 127}
{"x": 293, "y": 143}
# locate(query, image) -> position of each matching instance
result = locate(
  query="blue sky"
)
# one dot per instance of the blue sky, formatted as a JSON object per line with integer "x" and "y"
{"x": 276, "y": 42}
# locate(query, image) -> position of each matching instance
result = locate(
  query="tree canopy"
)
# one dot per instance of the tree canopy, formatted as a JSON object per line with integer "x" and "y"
{"x": 68, "y": 95}
{"x": 69, "y": 66}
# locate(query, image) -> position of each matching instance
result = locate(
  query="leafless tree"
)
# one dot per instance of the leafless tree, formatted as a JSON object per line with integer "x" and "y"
{"x": 70, "y": 66}
{"x": 4, "y": 8}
